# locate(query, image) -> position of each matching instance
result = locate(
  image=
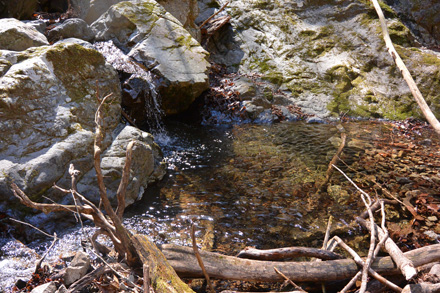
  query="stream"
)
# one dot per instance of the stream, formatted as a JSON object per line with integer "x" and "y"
{"x": 241, "y": 185}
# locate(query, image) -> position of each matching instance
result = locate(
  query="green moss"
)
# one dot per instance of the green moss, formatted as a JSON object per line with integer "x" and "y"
{"x": 262, "y": 4}
{"x": 70, "y": 71}
{"x": 213, "y": 4}
{"x": 399, "y": 33}
{"x": 307, "y": 34}
{"x": 387, "y": 10}
{"x": 186, "y": 41}
{"x": 274, "y": 77}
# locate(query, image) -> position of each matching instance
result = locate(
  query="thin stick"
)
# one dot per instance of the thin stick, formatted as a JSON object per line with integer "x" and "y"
{"x": 325, "y": 243}
{"x": 371, "y": 250}
{"x": 360, "y": 262}
{"x": 146, "y": 271}
{"x": 327, "y": 233}
{"x": 41, "y": 231}
{"x": 405, "y": 72}
{"x": 403, "y": 263}
{"x": 370, "y": 257}
{"x": 128, "y": 118}
{"x": 335, "y": 159}
{"x": 209, "y": 18}
{"x": 199, "y": 258}
{"x": 120, "y": 194}
{"x": 289, "y": 280}
{"x": 37, "y": 267}
{"x": 351, "y": 283}
{"x": 116, "y": 272}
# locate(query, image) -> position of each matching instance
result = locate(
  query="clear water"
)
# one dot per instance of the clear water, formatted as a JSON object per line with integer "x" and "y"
{"x": 242, "y": 185}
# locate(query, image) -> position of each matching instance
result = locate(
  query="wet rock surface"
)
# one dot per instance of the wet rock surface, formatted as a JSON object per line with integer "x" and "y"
{"x": 329, "y": 58}
{"x": 157, "y": 39}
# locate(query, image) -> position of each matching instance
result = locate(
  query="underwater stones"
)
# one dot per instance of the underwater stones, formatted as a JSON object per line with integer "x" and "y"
{"x": 18, "y": 36}
{"x": 157, "y": 39}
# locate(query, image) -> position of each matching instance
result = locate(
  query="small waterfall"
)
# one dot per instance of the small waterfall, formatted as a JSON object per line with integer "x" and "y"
{"x": 139, "y": 95}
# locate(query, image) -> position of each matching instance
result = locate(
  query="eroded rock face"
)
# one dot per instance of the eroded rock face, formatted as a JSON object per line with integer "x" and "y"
{"x": 422, "y": 17}
{"x": 158, "y": 40}
{"x": 18, "y": 36}
{"x": 47, "y": 108}
{"x": 327, "y": 56}
{"x": 186, "y": 12}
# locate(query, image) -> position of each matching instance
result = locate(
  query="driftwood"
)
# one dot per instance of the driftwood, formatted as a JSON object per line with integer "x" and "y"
{"x": 286, "y": 253}
{"x": 220, "y": 266}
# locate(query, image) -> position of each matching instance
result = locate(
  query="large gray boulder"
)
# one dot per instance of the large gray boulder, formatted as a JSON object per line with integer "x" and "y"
{"x": 147, "y": 166}
{"x": 186, "y": 11}
{"x": 97, "y": 8}
{"x": 328, "y": 57}
{"x": 47, "y": 108}
{"x": 18, "y": 36}
{"x": 71, "y": 28}
{"x": 157, "y": 39}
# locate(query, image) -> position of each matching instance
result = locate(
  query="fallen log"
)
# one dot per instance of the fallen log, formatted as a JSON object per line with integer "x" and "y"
{"x": 287, "y": 253}
{"x": 163, "y": 277}
{"x": 226, "y": 267}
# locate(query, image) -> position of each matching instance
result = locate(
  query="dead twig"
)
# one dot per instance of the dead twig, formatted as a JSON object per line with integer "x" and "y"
{"x": 54, "y": 236}
{"x": 288, "y": 280}
{"x": 360, "y": 262}
{"x": 370, "y": 257}
{"x": 212, "y": 16}
{"x": 334, "y": 160}
{"x": 199, "y": 258}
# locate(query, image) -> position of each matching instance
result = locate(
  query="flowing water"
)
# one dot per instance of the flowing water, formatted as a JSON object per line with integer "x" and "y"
{"x": 242, "y": 185}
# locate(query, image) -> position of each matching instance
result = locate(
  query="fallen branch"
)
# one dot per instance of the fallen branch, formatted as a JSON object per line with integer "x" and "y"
{"x": 405, "y": 265}
{"x": 287, "y": 253}
{"x": 370, "y": 271}
{"x": 199, "y": 258}
{"x": 334, "y": 160}
{"x": 225, "y": 267}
